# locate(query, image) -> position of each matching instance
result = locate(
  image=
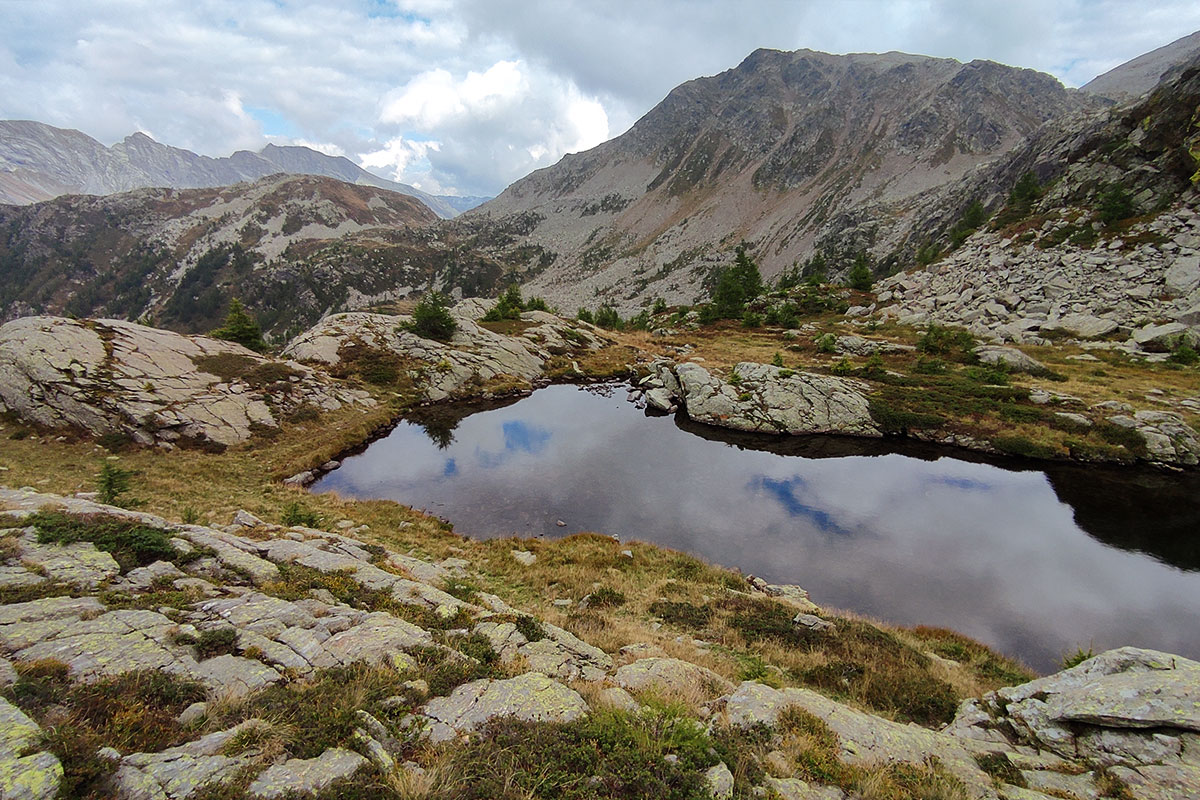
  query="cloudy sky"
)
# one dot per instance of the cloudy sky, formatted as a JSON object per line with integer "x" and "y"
{"x": 465, "y": 96}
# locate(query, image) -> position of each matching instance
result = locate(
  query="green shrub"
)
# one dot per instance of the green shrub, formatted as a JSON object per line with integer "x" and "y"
{"x": 1016, "y": 445}
{"x": 942, "y": 341}
{"x": 509, "y": 306}
{"x": 1078, "y": 657}
{"x": 607, "y": 317}
{"x": 660, "y": 306}
{"x": 1114, "y": 204}
{"x": 1184, "y": 354}
{"x": 736, "y": 285}
{"x": 296, "y": 514}
{"x": 777, "y": 360}
{"x": 431, "y": 318}
{"x": 1129, "y": 438}
{"x": 131, "y": 544}
{"x": 860, "y": 276}
{"x": 752, "y": 319}
{"x": 930, "y": 366}
{"x": 530, "y": 628}
{"x": 826, "y": 343}
{"x": 216, "y": 642}
{"x": 682, "y": 615}
{"x": 584, "y": 315}
{"x": 842, "y": 368}
{"x": 606, "y": 597}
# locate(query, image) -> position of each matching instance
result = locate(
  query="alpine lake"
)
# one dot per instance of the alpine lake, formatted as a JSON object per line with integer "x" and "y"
{"x": 1036, "y": 559}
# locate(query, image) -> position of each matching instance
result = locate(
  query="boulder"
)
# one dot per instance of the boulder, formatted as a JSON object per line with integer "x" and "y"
{"x": 1011, "y": 358}
{"x": 1183, "y": 275}
{"x": 531, "y": 697}
{"x": 1085, "y": 326}
{"x": 1166, "y": 337}
{"x": 26, "y": 771}
{"x": 115, "y": 377}
{"x": 473, "y": 355}
{"x": 864, "y": 738}
{"x": 669, "y": 674}
{"x": 306, "y": 776}
{"x": 178, "y": 773}
{"x": 770, "y": 399}
{"x": 1169, "y": 440}
{"x": 1128, "y": 707}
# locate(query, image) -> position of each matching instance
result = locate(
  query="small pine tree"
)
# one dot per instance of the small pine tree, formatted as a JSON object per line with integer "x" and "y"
{"x": 241, "y": 328}
{"x": 860, "y": 276}
{"x": 1115, "y": 204}
{"x": 112, "y": 483}
{"x": 431, "y": 319}
{"x": 737, "y": 285}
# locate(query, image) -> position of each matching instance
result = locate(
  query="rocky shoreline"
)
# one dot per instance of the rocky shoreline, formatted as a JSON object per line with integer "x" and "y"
{"x": 1126, "y": 718}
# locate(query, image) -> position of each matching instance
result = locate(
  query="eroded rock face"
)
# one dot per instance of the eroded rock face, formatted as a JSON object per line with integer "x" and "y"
{"x": 473, "y": 356}
{"x": 769, "y": 399}
{"x": 112, "y": 376}
{"x": 1133, "y": 710}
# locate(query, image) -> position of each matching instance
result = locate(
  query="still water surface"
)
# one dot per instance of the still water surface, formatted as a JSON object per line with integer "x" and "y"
{"x": 1032, "y": 561}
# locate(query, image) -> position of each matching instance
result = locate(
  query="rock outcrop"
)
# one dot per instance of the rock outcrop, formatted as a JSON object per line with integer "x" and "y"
{"x": 785, "y": 151}
{"x": 767, "y": 399}
{"x": 154, "y": 386}
{"x": 1127, "y": 716}
{"x": 1133, "y": 712}
{"x": 474, "y": 356}
{"x": 531, "y": 697}
{"x": 1013, "y": 290}
{"x": 26, "y": 771}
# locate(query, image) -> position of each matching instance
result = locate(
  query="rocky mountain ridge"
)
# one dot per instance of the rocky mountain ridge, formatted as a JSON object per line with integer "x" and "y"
{"x": 39, "y": 162}
{"x": 786, "y": 152}
{"x": 179, "y": 255}
{"x": 1134, "y": 78}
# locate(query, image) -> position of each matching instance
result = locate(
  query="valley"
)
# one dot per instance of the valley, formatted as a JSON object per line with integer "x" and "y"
{"x": 830, "y": 434}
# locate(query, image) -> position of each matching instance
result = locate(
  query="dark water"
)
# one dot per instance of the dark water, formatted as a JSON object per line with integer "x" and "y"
{"x": 1032, "y": 561}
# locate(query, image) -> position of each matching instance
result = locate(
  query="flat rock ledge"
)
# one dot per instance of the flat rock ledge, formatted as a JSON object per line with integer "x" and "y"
{"x": 473, "y": 356}
{"x": 26, "y": 772}
{"x": 114, "y": 377}
{"x": 300, "y": 776}
{"x": 531, "y": 697}
{"x": 1133, "y": 711}
{"x": 1131, "y": 714}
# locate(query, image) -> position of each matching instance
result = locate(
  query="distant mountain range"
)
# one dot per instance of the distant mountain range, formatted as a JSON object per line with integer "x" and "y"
{"x": 793, "y": 154}
{"x": 39, "y": 162}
